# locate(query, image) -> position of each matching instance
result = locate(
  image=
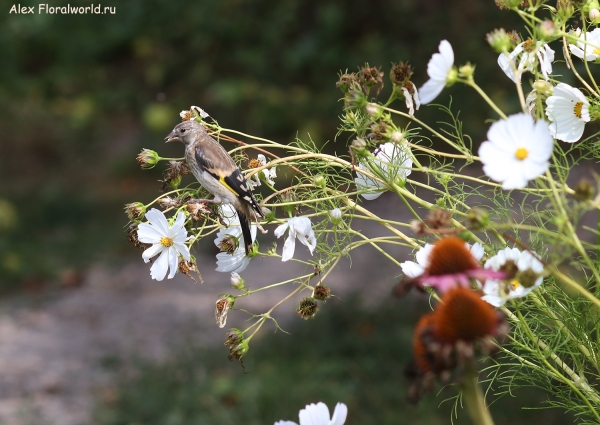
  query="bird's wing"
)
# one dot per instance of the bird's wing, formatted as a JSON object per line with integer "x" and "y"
{"x": 215, "y": 160}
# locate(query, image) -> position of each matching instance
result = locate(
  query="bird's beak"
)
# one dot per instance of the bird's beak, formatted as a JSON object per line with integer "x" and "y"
{"x": 172, "y": 137}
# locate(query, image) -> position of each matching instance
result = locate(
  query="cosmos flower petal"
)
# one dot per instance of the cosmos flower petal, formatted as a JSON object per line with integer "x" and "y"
{"x": 160, "y": 267}
{"x": 438, "y": 68}
{"x": 339, "y": 414}
{"x": 183, "y": 250}
{"x": 152, "y": 251}
{"x": 315, "y": 414}
{"x": 173, "y": 262}
{"x": 411, "y": 269}
{"x": 157, "y": 219}
{"x": 288, "y": 248}
{"x": 149, "y": 234}
{"x": 281, "y": 229}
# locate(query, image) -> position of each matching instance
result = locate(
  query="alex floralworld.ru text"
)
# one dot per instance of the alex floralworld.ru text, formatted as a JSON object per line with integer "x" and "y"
{"x": 63, "y": 10}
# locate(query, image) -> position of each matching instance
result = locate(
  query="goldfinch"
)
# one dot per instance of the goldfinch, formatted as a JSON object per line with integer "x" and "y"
{"x": 216, "y": 171}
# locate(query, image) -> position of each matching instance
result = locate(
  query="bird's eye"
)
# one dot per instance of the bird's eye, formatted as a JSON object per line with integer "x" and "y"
{"x": 183, "y": 130}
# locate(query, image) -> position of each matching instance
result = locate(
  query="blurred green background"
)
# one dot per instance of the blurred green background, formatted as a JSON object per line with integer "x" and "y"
{"x": 81, "y": 95}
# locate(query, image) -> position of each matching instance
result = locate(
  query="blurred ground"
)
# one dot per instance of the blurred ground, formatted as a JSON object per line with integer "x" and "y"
{"x": 60, "y": 347}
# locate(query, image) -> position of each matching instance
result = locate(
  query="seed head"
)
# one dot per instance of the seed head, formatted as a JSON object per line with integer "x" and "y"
{"x": 400, "y": 73}
{"x": 307, "y": 309}
{"x": 321, "y": 292}
{"x": 228, "y": 244}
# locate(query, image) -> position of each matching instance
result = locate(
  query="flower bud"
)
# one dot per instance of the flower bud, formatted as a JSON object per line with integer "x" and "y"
{"x": 175, "y": 182}
{"x": 359, "y": 147}
{"x": 237, "y": 281}
{"x": 355, "y": 98}
{"x": 466, "y": 71}
{"x": 321, "y": 292}
{"x": 499, "y": 40}
{"x": 565, "y": 10}
{"x": 307, "y": 309}
{"x": 584, "y": 191}
{"x": 335, "y": 215}
{"x": 397, "y": 136}
{"x": 547, "y": 29}
{"x": 374, "y": 110}
{"x": 320, "y": 181}
{"x": 478, "y": 218}
{"x": 594, "y": 16}
{"x": 135, "y": 210}
{"x": 543, "y": 87}
{"x": 147, "y": 158}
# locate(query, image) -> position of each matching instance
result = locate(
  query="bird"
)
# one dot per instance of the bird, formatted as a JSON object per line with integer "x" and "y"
{"x": 217, "y": 172}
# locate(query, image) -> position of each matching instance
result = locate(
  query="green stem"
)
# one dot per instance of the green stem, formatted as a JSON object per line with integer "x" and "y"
{"x": 473, "y": 398}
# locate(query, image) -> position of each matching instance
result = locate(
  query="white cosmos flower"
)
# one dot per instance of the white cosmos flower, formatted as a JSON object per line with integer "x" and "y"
{"x": 588, "y": 42}
{"x": 518, "y": 149}
{"x": 414, "y": 269}
{"x": 568, "y": 111}
{"x": 523, "y": 58}
{"x": 318, "y": 414}
{"x": 299, "y": 228}
{"x": 497, "y": 292}
{"x": 238, "y": 261}
{"x": 392, "y": 162}
{"x": 439, "y": 67}
{"x": 168, "y": 241}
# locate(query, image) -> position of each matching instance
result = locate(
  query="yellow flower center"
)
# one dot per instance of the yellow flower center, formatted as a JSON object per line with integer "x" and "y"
{"x": 521, "y": 154}
{"x": 167, "y": 242}
{"x": 596, "y": 51}
{"x": 577, "y": 109}
{"x": 514, "y": 284}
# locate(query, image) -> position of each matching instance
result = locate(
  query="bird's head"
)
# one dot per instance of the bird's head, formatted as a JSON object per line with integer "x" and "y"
{"x": 186, "y": 132}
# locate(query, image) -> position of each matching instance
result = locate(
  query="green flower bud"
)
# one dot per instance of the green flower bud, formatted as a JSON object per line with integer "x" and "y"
{"x": 499, "y": 40}
{"x": 547, "y": 29}
{"x": 478, "y": 218}
{"x": 175, "y": 182}
{"x": 466, "y": 71}
{"x": 335, "y": 215}
{"x": 237, "y": 281}
{"x": 320, "y": 181}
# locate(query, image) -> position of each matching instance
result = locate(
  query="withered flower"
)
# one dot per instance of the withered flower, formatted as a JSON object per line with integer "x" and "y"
{"x": 307, "y": 309}
{"x": 198, "y": 210}
{"x": 172, "y": 175}
{"x": 222, "y": 307}
{"x": 321, "y": 292}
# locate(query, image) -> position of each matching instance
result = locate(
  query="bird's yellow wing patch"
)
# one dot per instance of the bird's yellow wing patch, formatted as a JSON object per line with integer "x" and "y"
{"x": 224, "y": 183}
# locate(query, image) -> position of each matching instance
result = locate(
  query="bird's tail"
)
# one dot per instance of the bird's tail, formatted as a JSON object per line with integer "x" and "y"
{"x": 245, "y": 224}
